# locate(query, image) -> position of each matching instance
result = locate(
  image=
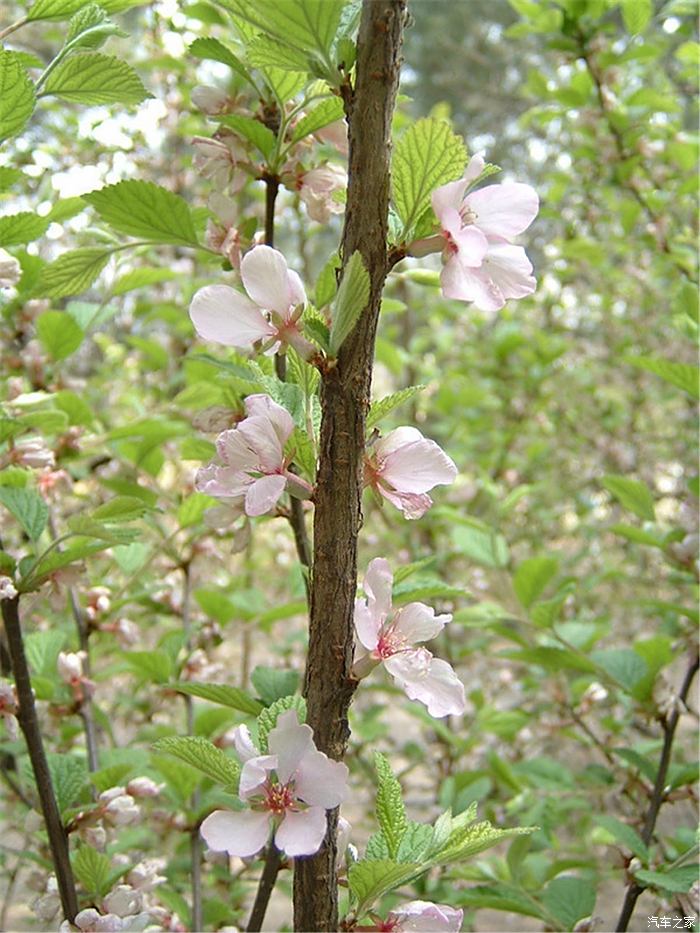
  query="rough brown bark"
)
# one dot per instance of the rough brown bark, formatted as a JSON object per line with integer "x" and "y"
{"x": 345, "y": 400}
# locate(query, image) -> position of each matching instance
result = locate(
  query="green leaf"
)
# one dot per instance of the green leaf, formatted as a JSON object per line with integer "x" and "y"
{"x": 253, "y": 130}
{"x": 271, "y": 55}
{"x": 623, "y": 665}
{"x": 222, "y": 694}
{"x": 677, "y": 880}
{"x": 532, "y": 576}
{"x": 17, "y": 96}
{"x": 95, "y": 78}
{"x": 272, "y": 684}
{"x": 63, "y": 9}
{"x": 371, "y": 879}
{"x": 8, "y": 176}
{"x": 120, "y": 509}
{"x": 326, "y": 284}
{"x": 28, "y": 508}
{"x": 327, "y": 112}
{"x": 154, "y": 666}
{"x": 309, "y": 25}
{"x": 381, "y": 408}
{"x": 58, "y": 333}
{"x": 42, "y": 650}
{"x": 131, "y": 557}
{"x": 201, "y": 754}
{"x": 268, "y": 718}
{"x": 624, "y": 834}
{"x": 468, "y": 839}
{"x": 215, "y": 51}
{"x": 89, "y": 28}
{"x": 92, "y": 869}
{"x": 428, "y": 154}
{"x": 193, "y": 508}
{"x": 350, "y": 301}
{"x": 69, "y": 777}
{"x": 481, "y": 543}
{"x": 73, "y": 272}
{"x": 145, "y": 210}
{"x": 140, "y": 278}
{"x": 569, "y": 899}
{"x": 681, "y": 375}
{"x": 390, "y": 810}
{"x": 636, "y": 15}
{"x": 21, "y": 228}
{"x": 631, "y": 494}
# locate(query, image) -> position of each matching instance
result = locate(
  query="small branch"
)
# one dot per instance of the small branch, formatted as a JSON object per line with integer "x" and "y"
{"x": 29, "y": 724}
{"x": 657, "y": 795}
{"x": 273, "y": 863}
{"x": 13, "y": 27}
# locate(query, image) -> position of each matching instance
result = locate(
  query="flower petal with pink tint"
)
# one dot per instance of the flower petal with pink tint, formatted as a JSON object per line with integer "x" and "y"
{"x": 261, "y": 437}
{"x": 320, "y": 781}
{"x": 418, "y": 466}
{"x": 223, "y": 482}
{"x": 448, "y": 198}
{"x": 503, "y": 210}
{"x": 241, "y": 832}
{"x": 254, "y": 774}
{"x": 412, "y": 505}
{"x": 367, "y": 625}
{"x": 424, "y": 917}
{"x": 279, "y": 417}
{"x": 290, "y": 740}
{"x": 377, "y": 585}
{"x": 429, "y": 680}
{"x": 302, "y": 832}
{"x": 510, "y": 270}
{"x": 243, "y": 743}
{"x": 418, "y": 622}
{"x": 221, "y": 314}
{"x": 264, "y": 493}
{"x": 266, "y": 279}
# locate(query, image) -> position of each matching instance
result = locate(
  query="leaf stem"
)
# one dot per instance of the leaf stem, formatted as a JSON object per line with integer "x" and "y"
{"x": 8, "y": 30}
{"x": 29, "y": 724}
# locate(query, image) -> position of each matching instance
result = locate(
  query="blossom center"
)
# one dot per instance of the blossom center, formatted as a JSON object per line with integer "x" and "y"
{"x": 278, "y": 798}
{"x": 390, "y": 642}
{"x": 468, "y": 215}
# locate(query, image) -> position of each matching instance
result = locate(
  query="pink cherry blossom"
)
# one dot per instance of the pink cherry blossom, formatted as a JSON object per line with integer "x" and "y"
{"x": 480, "y": 262}
{"x": 423, "y": 917}
{"x": 269, "y": 314}
{"x": 251, "y": 460}
{"x": 390, "y": 637}
{"x": 288, "y": 790}
{"x": 403, "y": 466}
{"x": 222, "y": 234}
{"x": 317, "y": 188}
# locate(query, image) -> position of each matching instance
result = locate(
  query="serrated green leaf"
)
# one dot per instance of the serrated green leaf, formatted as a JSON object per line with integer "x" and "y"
{"x": 69, "y": 777}
{"x": 569, "y": 899}
{"x": 222, "y": 694}
{"x": 140, "y": 278}
{"x": 73, "y": 272}
{"x": 17, "y": 96}
{"x": 350, "y": 302}
{"x": 681, "y": 375}
{"x": 326, "y": 284}
{"x": 631, "y": 494}
{"x": 308, "y": 25}
{"x": 269, "y": 54}
{"x": 63, "y": 9}
{"x": 154, "y": 666}
{"x": 678, "y": 880}
{"x": 371, "y": 879}
{"x": 623, "y": 665}
{"x": 252, "y": 130}
{"x": 467, "y": 841}
{"x": 89, "y": 28}
{"x": 58, "y": 333}
{"x": 95, "y": 78}
{"x": 622, "y": 833}
{"x": 8, "y": 176}
{"x": 325, "y": 113}
{"x": 381, "y": 408}
{"x": 303, "y": 453}
{"x": 120, "y": 509}
{"x": 92, "y": 869}
{"x": 636, "y": 15}
{"x": 481, "y": 543}
{"x": 145, "y": 210}
{"x": 390, "y": 810}
{"x": 273, "y": 684}
{"x": 268, "y": 718}
{"x": 213, "y": 50}
{"x": 428, "y": 155}
{"x": 16, "y": 229}
{"x": 201, "y": 754}
{"x": 531, "y": 578}
{"x": 28, "y": 508}
{"x": 42, "y": 649}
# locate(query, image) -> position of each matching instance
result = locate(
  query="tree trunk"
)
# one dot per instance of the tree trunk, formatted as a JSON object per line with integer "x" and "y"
{"x": 345, "y": 399}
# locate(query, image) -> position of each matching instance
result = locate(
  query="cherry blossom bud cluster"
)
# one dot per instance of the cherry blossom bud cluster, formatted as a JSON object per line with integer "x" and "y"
{"x": 317, "y": 189}
{"x": 145, "y": 875}
{"x": 98, "y": 603}
{"x": 119, "y": 807}
{"x": 71, "y": 669}
{"x": 10, "y": 270}
{"x": 7, "y": 587}
{"x": 9, "y": 708}
{"x": 32, "y": 452}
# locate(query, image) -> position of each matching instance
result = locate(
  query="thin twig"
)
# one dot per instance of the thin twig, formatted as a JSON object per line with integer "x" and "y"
{"x": 8, "y": 30}
{"x": 669, "y": 726}
{"x": 29, "y": 724}
{"x": 273, "y": 863}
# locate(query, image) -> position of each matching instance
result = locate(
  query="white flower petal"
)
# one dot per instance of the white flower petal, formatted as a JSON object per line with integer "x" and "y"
{"x": 418, "y": 623}
{"x": 223, "y": 315}
{"x": 510, "y": 269}
{"x": 254, "y": 774}
{"x": 448, "y": 197}
{"x": 260, "y": 435}
{"x": 240, "y": 832}
{"x": 301, "y": 833}
{"x": 266, "y": 279}
{"x": 279, "y": 417}
{"x": 290, "y": 740}
{"x": 429, "y": 680}
{"x": 243, "y": 743}
{"x": 417, "y": 467}
{"x": 377, "y": 585}
{"x": 263, "y": 494}
{"x": 367, "y": 625}
{"x": 320, "y": 781}
{"x": 424, "y": 917}
{"x": 503, "y": 210}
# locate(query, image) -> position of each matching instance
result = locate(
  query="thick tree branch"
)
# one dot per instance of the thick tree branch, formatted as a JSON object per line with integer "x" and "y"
{"x": 29, "y": 724}
{"x": 345, "y": 400}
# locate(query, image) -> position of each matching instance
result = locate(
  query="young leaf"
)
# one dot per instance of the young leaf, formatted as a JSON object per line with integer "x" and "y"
{"x": 481, "y": 543}
{"x": 58, "y": 333}
{"x": 28, "y": 508}
{"x": 681, "y": 375}
{"x": 631, "y": 494}
{"x": 215, "y": 51}
{"x": 390, "y": 810}
{"x": 69, "y": 777}
{"x": 204, "y": 756}
{"x": 120, "y": 509}
{"x": 428, "y": 154}
{"x": 73, "y": 272}
{"x": 17, "y": 96}
{"x": 371, "y": 879}
{"x": 89, "y": 28}
{"x": 624, "y": 834}
{"x": 43, "y": 649}
{"x": 94, "y": 78}
{"x": 350, "y": 301}
{"x": 326, "y": 284}
{"x": 328, "y": 111}
{"x": 145, "y": 210}
{"x": 569, "y": 899}
{"x": 223, "y": 695}
{"x": 92, "y": 869}
{"x": 636, "y": 15}
{"x": 677, "y": 880}
{"x": 254, "y": 131}
{"x": 381, "y": 408}
{"x": 532, "y": 576}
{"x": 273, "y": 684}
{"x": 16, "y": 229}
{"x": 623, "y": 665}
{"x": 309, "y": 25}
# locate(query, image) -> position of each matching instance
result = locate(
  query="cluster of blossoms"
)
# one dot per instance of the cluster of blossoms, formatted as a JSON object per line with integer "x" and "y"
{"x": 392, "y": 637}
{"x": 288, "y": 791}
{"x": 421, "y": 917}
{"x": 481, "y": 264}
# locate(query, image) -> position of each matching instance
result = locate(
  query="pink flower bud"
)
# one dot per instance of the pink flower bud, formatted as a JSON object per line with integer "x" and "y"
{"x": 210, "y": 100}
{"x": 7, "y": 588}
{"x": 144, "y": 787}
{"x": 70, "y": 666}
{"x": 10, "y": 270}
{"x": 123, "y": 901}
